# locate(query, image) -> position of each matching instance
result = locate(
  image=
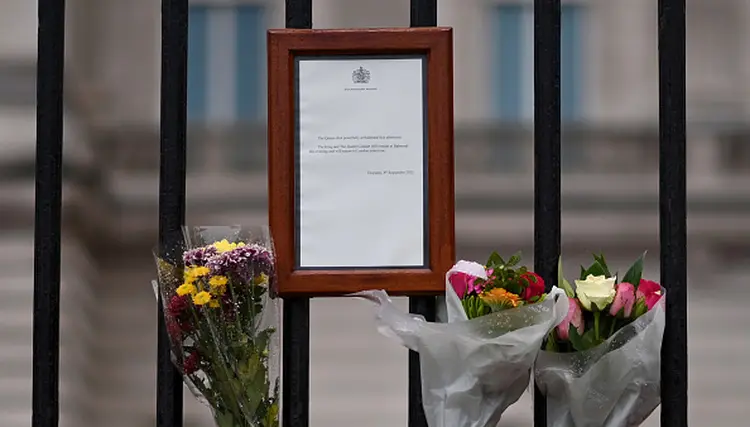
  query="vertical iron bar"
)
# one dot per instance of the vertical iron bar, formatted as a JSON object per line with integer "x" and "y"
{"x": 172, "y": 174}
{"x": 426, "y": 307}
{"x": 299, "y": 14}
{"x": 673, "y": 210}
{"x": 547, "y": 34}
{"x": 47, "y": 217}
{"x": 296, "y": 323}
{"x": 296, "y": 363}
{"x": 423, "y": 14}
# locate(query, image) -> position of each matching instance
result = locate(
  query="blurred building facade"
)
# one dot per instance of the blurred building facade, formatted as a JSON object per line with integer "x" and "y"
{"x": 610, "y": 176}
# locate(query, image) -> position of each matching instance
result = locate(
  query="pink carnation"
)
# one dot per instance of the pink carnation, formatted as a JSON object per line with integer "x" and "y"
{"x": 649, "y": 291}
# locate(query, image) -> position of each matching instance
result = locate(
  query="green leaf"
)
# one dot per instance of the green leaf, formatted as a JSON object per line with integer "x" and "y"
{"x": 495, "y": 260}
{"x": 583, "y": 273}
{"x": 272, "y": 417}
{"x": 589, "y": 337}
{"x": 515, "y": 286}
{"x": 576, "y": 340}
{"x": 515, "y": 259}
{"x": 224, "y": 419}
{"x": 603, "y": 263}
{"x": 564, "y": 284}
{"x": 596, "y": 269}
{"x": 581, "y": 342}
{"x": 551, "y": 344}
{"x": 640, "y": 308}
{"x": 634, "y": 273}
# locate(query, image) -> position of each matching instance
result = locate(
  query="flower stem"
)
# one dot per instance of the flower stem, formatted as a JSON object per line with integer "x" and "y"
{"x": 612, "y": 328}
{"x": 596, "y": 325}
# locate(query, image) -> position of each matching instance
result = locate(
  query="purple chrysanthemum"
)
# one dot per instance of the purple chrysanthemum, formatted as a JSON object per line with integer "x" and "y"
{"x": 199, "y": 256}
{"x": 243, "y": 263}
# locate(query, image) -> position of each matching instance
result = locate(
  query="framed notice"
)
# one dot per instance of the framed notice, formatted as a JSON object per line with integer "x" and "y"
{"x": 361, "y": 192}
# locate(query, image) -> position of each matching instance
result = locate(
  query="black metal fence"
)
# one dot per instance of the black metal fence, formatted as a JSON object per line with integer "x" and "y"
{"x": 296, "y": 348}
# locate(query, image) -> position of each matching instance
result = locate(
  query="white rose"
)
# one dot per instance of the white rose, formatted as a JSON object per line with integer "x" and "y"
{"x": 598, "y": 291}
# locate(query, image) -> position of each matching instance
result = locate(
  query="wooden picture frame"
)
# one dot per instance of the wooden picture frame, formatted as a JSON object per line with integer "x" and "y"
{"x": 286, "y": 50}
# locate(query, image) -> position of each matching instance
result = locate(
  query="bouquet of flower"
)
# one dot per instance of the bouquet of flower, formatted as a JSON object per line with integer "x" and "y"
{"x": 222, "y": 323}
{"x": 479, "y": 362}
{"x": 495, "y": 287}
{"x": 601, "y": 364}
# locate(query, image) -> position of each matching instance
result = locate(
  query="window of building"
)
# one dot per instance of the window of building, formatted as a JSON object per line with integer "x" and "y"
{"x": 514, "y": 61}
{"x": 226, "y": 62}
{"x": 226, "y": 84}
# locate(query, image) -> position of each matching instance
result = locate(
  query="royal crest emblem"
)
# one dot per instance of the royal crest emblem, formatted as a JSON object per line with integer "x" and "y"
{"x": 361, "y": 76}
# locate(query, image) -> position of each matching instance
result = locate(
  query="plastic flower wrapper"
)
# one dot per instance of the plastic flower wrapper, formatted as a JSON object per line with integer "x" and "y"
{"x": 217, "y": 290}
{"x": 478, "y": 363}
{"x": 601, "y": 366}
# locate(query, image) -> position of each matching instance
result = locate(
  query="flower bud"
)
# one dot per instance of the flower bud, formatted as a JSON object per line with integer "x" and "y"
{"x": 574, "y": 317}
{"x": 624, "y": 300}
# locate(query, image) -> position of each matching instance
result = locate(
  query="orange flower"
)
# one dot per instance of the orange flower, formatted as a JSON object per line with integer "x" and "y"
{"x": 499, "y": 298}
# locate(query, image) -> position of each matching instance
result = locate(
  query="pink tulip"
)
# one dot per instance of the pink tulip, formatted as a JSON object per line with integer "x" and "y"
{"x": 649, "y": 291}
{"x": 574, "y": 317}
{"x": 624, "y": 299}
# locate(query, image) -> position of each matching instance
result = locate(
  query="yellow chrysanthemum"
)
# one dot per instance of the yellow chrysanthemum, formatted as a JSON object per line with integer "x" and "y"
{"x": 197, "y": 272}
{"x": 186, "y": 288}
{"x": 225, "y": 246}
{"x": 201, "y": 298}
{"x": 189, "y": 278}
{"x": 499, "y": 297}
{"x": 218, "y": 285}
{"x": 214, "y": 303}
{"x": 260, "y": 279}
{"x": 218, "y": 281}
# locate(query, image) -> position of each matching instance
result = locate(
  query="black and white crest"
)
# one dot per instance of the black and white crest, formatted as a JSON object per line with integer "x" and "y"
{"x": 361, "y": 76}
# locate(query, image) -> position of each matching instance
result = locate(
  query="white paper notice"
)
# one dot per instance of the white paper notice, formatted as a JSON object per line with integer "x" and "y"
{"x": 361, "y": 163}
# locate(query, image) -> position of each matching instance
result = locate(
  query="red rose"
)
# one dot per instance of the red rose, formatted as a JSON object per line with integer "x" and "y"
{"x": 534, "y": 285}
